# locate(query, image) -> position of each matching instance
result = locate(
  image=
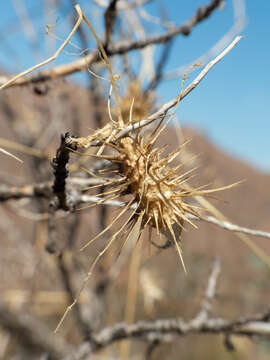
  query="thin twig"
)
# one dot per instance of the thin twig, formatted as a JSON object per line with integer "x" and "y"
{"x": 122, "y": 5}
{"x": 238, "y": 26}
{"x": 233, "y": 227}
{"x": 110, "y": 17}
{"x": 118, "y": 49}
{"x": 44, "y": 189}
{"x": 166, "y": 107}
{"x": 11, "y": 155}
{"x": 165, "y": 330}
{"x": 21, "y": 75}
{"x": 66, "y": 276}
{"x": 206, "y": 304}
{"x": 162, "y": 112}
{"x": 32, "y": 334}
{"x": 160, "y": 329}
{"x": 27, "y": 191}
{"x": 223, "y": 224}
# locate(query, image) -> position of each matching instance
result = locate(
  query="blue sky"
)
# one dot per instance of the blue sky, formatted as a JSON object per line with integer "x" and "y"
{"x": 231, "y": 105}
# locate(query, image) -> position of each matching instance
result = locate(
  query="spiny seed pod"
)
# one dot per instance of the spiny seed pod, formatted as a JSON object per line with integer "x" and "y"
{"x": 136, "y": 99}
{"x": 160, "y": 195}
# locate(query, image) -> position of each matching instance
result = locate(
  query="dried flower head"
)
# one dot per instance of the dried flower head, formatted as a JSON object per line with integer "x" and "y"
{"x": 160, "y": 196}
{"x": 141, "y": 102}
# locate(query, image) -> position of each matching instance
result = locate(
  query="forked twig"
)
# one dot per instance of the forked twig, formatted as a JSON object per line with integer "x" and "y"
{"x": 118, "y": 49}
{"x": 166, "y": 107}
{"x": 166, "y": 330}
{"x": 86, "y": 142}
{"x": 45, "y": 62}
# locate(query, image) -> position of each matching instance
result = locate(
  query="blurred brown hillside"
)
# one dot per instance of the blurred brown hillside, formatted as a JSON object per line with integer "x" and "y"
{"x": 35, "y": 116}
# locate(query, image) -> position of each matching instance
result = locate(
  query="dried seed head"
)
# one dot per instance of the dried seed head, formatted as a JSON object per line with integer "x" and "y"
{"x": 140, "y": 102}
{"x": 159, "y": 191}
{"x": 156, "y": 187}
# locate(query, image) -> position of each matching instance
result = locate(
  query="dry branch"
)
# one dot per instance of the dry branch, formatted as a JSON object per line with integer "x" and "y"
{"x": 122, "y": 5}
{"x": 207, "y": 302}
{"x": 32, "y": 334}
{"x": 117, "y": 49}
{"x": 27, "y": 191}
{"x": 233, "y": 227}
{"x": 166, "y": 330}
{"x": 162, "y": 112}
{"x": 210, "y": 219}
{"x": 110, "y": 18}
{"x": 166, "y": 107}
{"x": 44, "y": 189}
{"x": 66, "y": 276}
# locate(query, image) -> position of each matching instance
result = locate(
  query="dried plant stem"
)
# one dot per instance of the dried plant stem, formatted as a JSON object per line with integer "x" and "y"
{"x": 166, "y": 107}
{"x": 91, "y": 269}
{"x": 45, "y": 62}
{"x": 86, "y": 142}
{"x": 221, "y": 223}
{"x": 11, "y": 155}
{"x": 220, "y": 220}
{"x": 168, "y": 330}
{"x": 117, "y": 49}
{"x": 22, "y": 148}
{"x": 240, "y": 232}
{"x": 103, "y": 52}
{"x": 233, "y": 227}
{"x": 32, "y": 333}
{"x": 132, "y": 290}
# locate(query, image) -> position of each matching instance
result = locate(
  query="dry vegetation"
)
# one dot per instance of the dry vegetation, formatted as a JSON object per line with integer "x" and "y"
{"x": 109, "y": 282}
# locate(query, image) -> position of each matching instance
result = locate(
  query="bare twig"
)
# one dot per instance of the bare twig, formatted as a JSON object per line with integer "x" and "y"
{"x": 155, "y": 20}
{"x": 147, "y": 67}
{"x": 233, "y": 227}
{"x": 82, "y": 34}
{"x": 44, "y": 189}
{"x": 22, "y": 148}
{"x": 51, "y": 243}
{"x": 166, "y": 107}
{"x": 66, "y": 275}
{"x": 14, "y": 79}
{"x": 223, "y": 224}
{"x": 59, "y": 200}
{"x": 165, "y": 330}
{"x": 122, "y": 5}
{"x": 32, "y": 334}
{"x": 110, "y": 17}
{"x": 206, "y": 304}
{"x": 160, "y": 66}
{"x": 118, "y": 49}
{"x": 162, "y": 112}
{"x": 11, "y": 155}
{"x": 236, "y": 29}
{"x": 27, "y": 191}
